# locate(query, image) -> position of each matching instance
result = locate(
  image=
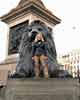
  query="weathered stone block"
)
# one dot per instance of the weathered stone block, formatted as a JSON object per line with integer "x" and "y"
{"x": 42, "y": 89}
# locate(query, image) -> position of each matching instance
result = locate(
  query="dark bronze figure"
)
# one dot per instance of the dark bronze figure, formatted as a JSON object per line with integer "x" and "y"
{"x": 25, "y": 66}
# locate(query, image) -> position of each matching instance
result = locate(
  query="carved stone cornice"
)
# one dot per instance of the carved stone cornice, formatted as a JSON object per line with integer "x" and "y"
{"x": 31, "y": 7}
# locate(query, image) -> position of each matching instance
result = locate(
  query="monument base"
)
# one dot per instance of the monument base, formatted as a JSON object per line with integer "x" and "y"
{"x": 42, "y": 89}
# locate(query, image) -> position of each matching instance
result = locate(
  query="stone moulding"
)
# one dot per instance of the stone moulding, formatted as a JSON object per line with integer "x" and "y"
{"x": 31, "y": 6}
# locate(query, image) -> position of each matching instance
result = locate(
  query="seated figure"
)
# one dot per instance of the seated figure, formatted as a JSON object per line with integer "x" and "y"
{"x": 39, "y": 55}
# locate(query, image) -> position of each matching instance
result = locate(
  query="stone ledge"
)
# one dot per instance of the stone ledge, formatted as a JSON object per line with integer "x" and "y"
{"x": 10, "y": 59}
{"x": 42, "y": 89}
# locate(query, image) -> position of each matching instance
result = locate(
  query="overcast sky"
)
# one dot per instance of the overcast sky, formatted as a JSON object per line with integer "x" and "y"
{"x": 66, "y": 34}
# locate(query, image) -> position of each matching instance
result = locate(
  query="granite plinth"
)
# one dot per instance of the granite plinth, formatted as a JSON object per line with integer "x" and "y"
{"x": 42, "y": 89}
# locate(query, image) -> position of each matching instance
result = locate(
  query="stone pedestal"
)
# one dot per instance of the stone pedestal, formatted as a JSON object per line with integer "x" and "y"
{"x": 42, "y": 89}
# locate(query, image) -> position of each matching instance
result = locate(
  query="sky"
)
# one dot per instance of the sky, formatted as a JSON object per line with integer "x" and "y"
{"x": 66, "y": 34}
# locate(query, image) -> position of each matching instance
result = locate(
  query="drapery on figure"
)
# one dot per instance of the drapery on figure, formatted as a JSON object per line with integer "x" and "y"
{"x": 25, "y": 66}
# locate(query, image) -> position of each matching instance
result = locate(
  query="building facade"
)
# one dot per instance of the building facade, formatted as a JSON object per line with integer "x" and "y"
{"x": 71, "y": 62}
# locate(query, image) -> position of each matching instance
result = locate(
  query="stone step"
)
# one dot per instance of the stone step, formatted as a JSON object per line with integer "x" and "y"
{"x": 42, "y": 89}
